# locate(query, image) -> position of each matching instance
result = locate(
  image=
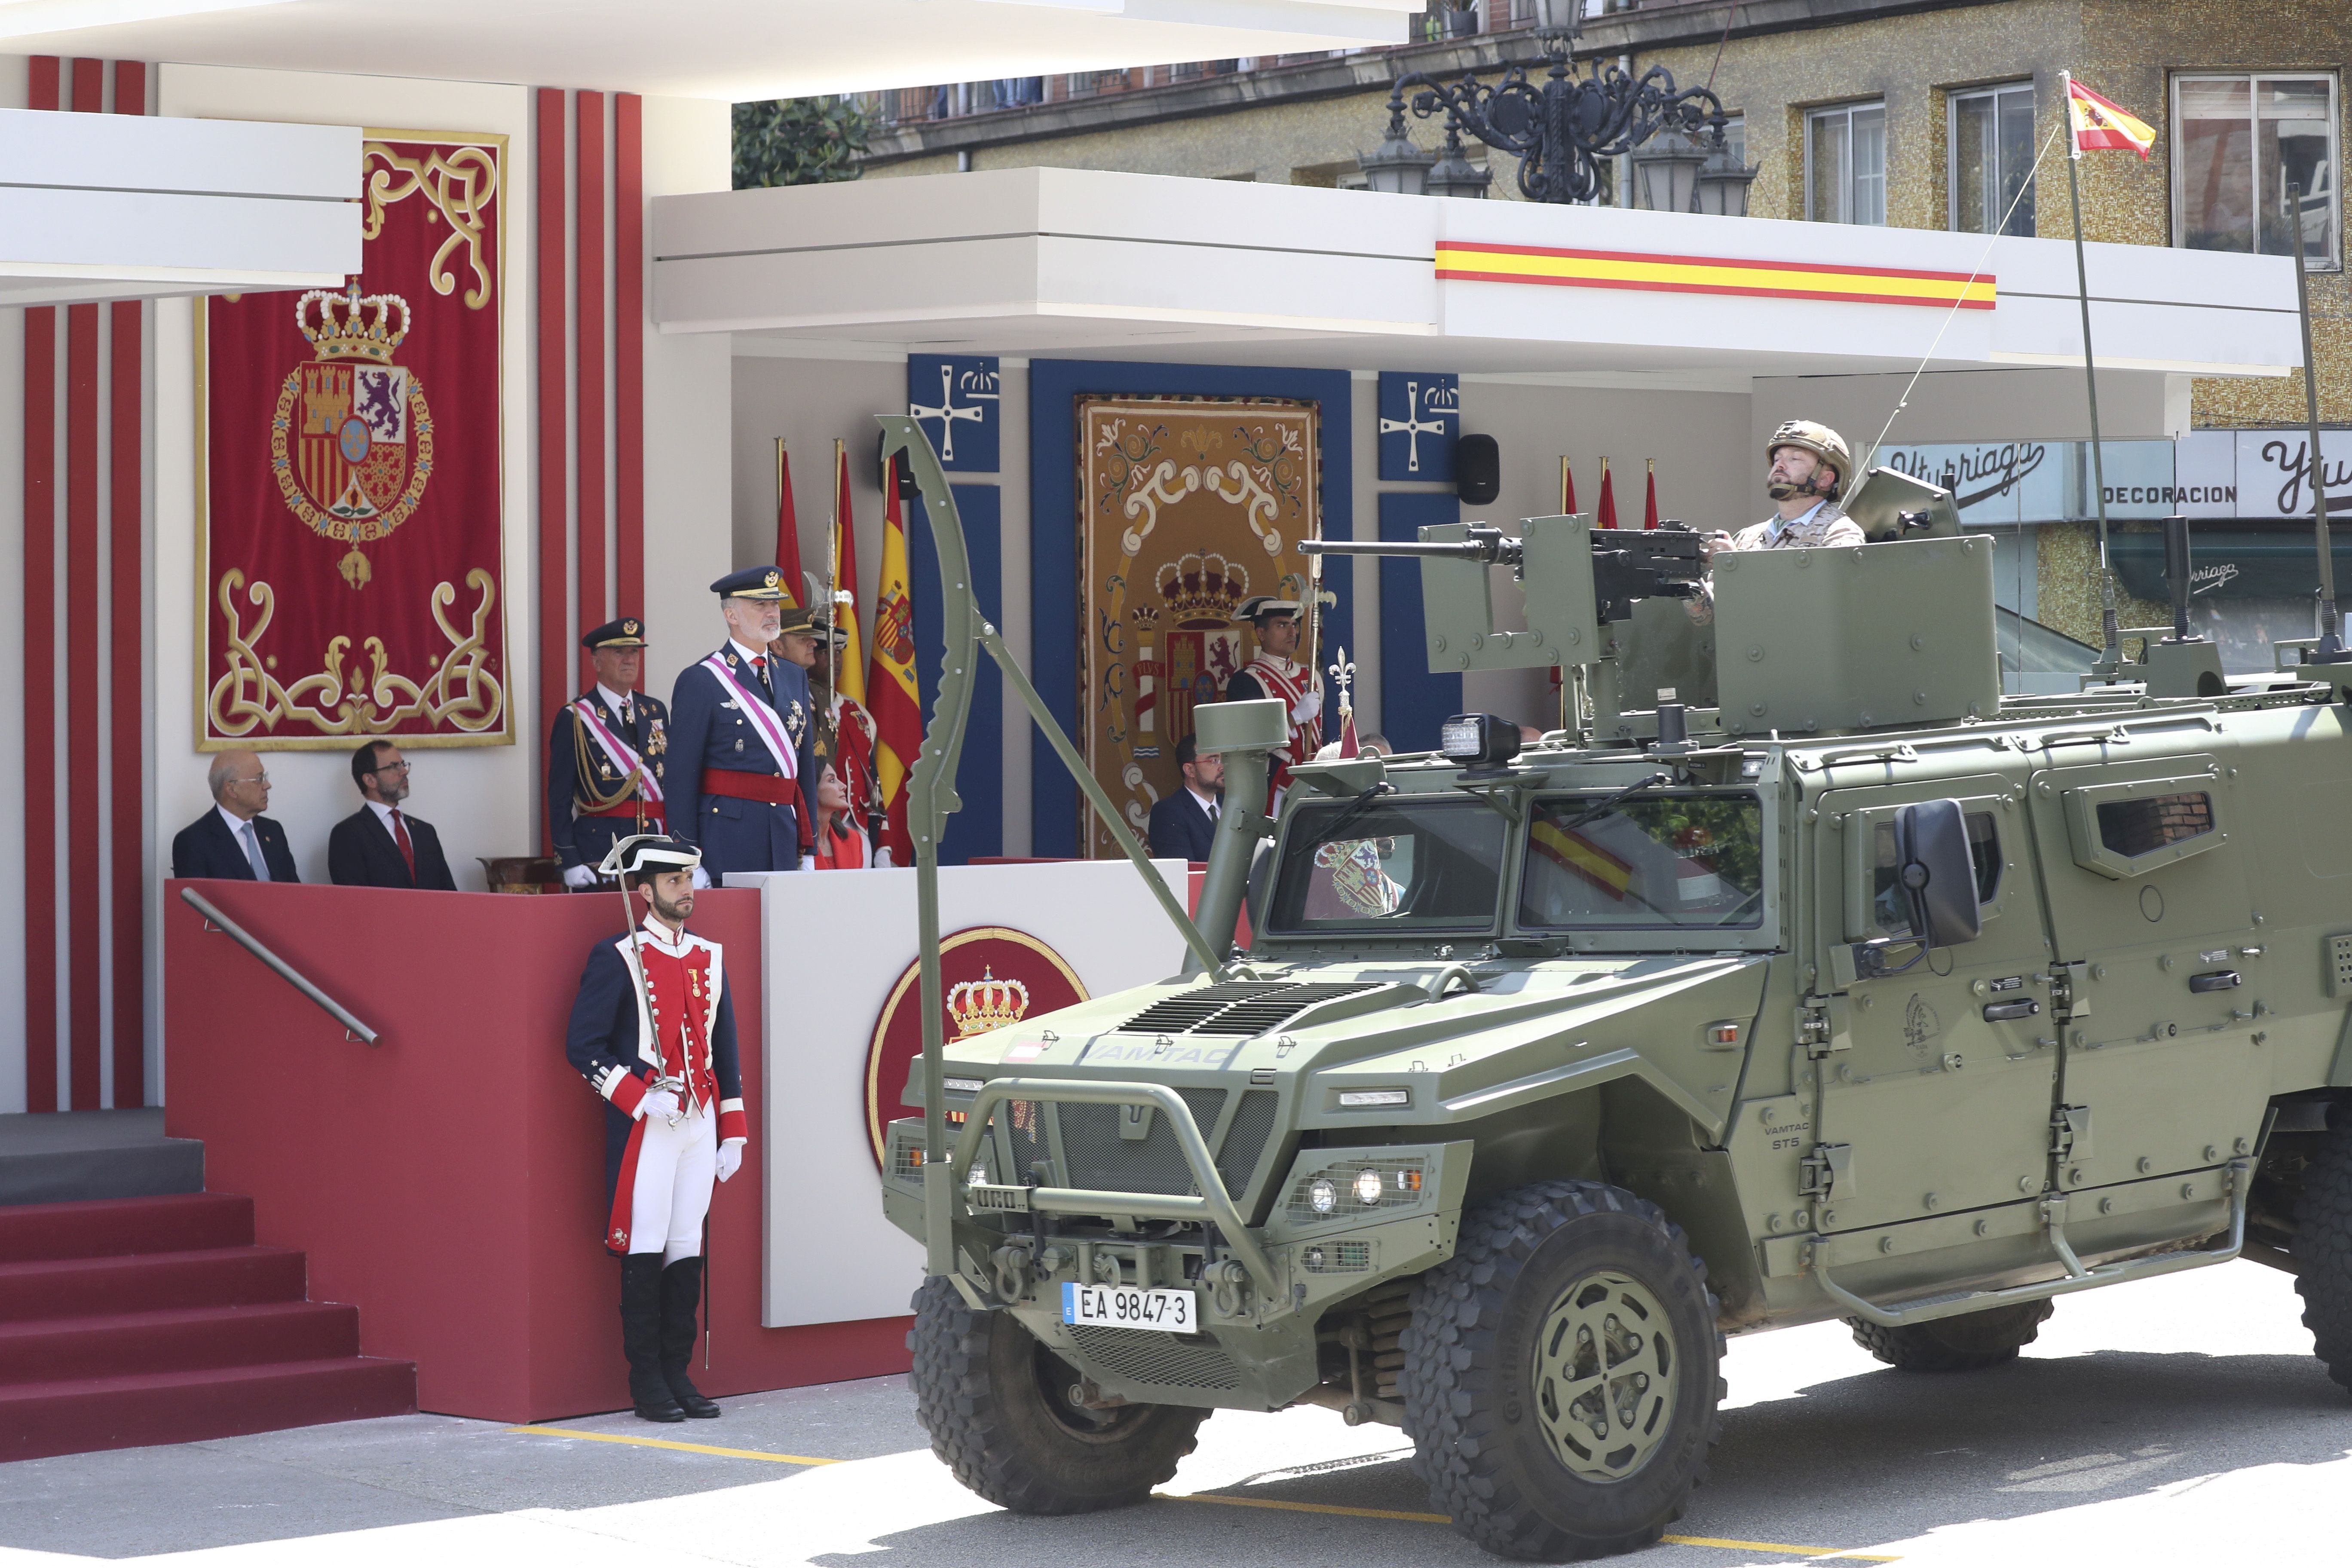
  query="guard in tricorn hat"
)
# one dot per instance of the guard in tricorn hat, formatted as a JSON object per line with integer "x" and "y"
{"x": 742, "y": 740}
{"x": 605, "y": 756}
{"x": 653, "y": 1031}
{"x": 1272, "y": 671}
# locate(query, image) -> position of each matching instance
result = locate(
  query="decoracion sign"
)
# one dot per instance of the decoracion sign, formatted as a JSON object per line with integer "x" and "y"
{"x": 1464, "y": 262}
{"x": 352, "y": 537}
{"x": 990, "y": 977}
{"x": 1186, "y": 508}
{"x": 954, "y": 399}
{"x": 1421, "y": 418}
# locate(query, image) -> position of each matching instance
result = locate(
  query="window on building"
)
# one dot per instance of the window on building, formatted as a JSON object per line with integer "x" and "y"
{"x": 1846, "y": 163}
{"x": 2239, "y": 142}
{"x": 1992, "y": 154}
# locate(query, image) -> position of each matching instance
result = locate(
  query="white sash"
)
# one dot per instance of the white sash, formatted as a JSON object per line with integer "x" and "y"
{"x": 628, "y": 761}
{"x": 763, "y": 716}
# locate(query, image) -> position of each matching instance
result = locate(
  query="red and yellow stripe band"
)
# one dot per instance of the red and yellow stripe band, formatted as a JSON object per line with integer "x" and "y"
{"x": 1460, "y": 260}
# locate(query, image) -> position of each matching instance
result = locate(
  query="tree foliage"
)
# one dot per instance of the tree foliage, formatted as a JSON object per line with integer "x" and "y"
{"x": 799, "y": 141}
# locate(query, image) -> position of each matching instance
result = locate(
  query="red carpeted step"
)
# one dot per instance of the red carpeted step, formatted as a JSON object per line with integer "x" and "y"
{"x": 150, "y": 1281}
{"x": 188, "y": 1338}
{"x": 178, "y": 1222}
{"x": 80, "y": 1416}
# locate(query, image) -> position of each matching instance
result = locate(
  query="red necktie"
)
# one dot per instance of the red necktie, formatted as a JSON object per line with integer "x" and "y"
{"x": 400, "y": 836}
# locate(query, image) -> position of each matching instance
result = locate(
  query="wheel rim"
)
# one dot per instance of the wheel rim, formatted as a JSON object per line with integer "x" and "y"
{"x": 1055, "y": 1377}
{"x": 1606, "y": 1373}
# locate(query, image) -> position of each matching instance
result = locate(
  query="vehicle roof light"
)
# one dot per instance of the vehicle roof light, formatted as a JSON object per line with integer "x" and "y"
{"x": 1486, "y": 740}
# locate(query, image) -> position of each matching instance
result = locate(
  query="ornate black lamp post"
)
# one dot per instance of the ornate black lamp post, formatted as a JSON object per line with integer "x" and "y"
{"x": 1561, "y": 130}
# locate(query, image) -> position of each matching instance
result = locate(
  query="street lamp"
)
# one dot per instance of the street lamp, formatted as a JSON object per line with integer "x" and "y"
{"x": 1563, "y": 130}
{"x": 1396, "y": 165}
{"x": 1723, "y": 185}
{"x": 1666, "y": 171}
{"x": 1454, "y": 174}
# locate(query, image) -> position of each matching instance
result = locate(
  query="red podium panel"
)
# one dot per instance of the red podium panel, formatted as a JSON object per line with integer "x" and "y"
{"x": 450, "y": 1180}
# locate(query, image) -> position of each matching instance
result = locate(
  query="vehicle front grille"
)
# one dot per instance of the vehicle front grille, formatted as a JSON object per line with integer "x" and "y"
{"x": 1142, "y": 1355}
{"x": 1245, "y": 1139}
{"x": 1100, "y": 1159}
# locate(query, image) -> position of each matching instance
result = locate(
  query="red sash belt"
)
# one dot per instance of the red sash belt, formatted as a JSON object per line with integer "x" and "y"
{"x": 628, "y": 809}
{"x": 773, "y": 788}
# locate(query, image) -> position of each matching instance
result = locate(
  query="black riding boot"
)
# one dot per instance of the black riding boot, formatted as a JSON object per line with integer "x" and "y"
{"x": 681, "y": 1294}
{"x": 641, "y": 1337}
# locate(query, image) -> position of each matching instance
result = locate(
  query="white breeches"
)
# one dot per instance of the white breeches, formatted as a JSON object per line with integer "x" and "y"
{"x": 675, "y": 1166}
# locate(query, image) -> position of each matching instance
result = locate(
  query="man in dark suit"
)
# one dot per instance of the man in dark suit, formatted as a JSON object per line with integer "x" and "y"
{"x": 234, "y": 839}
{"x": 605, "y": 756}
{"x": 1185, "y": 824}
{"x": 742, "y": 736}
{"x": 381, "y": 846}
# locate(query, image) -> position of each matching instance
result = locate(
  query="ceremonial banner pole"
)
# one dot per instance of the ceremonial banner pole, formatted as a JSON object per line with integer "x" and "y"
{"x": 2108, "y": 628}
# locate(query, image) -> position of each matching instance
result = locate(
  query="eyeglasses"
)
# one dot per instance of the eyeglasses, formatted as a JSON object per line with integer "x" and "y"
{"x": 256, "y": 779}
{"x": 399, "y": 767}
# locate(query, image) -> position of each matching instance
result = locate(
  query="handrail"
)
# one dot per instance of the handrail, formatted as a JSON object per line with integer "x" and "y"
{"x": 1214, "y": 1204}
{"x": 2078, "y": 1277}
{"x": 352, "y": 1027}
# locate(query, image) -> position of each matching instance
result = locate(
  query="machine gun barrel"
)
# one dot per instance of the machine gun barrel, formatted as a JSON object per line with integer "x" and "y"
{"x": 1490, "y": 546}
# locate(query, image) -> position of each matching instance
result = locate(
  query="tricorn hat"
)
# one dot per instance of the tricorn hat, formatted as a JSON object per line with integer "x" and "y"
{"x": 645, "y": 852}
{"x": 1262, "y": 604}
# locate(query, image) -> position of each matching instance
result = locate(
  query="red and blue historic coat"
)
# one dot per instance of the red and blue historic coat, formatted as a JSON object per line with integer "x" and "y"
{"x": 621, "y": 1044}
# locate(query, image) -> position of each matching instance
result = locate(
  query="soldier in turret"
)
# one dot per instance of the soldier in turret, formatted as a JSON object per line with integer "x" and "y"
{"x": 1808, "y": 466}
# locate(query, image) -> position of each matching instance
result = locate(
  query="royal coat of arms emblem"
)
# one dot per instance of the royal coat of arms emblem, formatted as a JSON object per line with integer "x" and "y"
{"x": 351, "y": 440}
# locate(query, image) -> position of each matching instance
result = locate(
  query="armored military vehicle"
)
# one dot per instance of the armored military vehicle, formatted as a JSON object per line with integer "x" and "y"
{"x": 1829, "y": 983}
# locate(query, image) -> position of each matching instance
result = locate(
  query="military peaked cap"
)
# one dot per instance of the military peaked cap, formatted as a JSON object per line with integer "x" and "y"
{"x": 626, "y": 632}
{"x": 752, "y": 583}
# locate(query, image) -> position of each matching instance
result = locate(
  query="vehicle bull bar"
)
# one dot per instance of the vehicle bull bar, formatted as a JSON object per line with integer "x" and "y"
{"x": 1214, "y": 1205}
{"x": 2077, "y": 1277}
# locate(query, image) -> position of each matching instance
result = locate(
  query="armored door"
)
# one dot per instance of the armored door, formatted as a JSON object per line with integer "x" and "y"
{"x": 2151, "y": 913}
{"x": 1936, "y": 1079}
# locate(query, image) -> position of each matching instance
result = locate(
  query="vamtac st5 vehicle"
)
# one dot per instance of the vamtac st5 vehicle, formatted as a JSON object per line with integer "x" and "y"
{"x": 1839, "y": 985}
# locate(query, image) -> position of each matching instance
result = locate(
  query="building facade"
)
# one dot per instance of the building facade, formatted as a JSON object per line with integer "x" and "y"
{"x": 1881, "y": 112}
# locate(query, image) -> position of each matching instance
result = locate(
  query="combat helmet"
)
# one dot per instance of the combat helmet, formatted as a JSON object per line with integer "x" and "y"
{"x": 1820, "y": 440}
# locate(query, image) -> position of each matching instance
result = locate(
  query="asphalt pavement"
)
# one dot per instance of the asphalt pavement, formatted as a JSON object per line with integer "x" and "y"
{"x": 2182, "y": 1421}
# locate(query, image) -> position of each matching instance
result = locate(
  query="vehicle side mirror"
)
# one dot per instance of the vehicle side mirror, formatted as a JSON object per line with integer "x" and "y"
{"x": 1937, "y": 873}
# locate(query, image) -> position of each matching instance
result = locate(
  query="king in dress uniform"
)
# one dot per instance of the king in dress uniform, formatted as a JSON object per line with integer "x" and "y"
{"x": 653, "y": 1031}
{"x": 1272, "y": 672}
{"x": 742, "y": 740}
{"x": 605, "y": 756}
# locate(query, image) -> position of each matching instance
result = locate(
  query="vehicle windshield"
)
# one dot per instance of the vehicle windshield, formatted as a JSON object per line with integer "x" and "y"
{"x": 1392, "y": 865}
{"x": 1653, "y": 860}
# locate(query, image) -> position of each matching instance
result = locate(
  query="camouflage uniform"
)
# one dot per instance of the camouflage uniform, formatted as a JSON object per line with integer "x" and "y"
{"x": 1824, "y": 527}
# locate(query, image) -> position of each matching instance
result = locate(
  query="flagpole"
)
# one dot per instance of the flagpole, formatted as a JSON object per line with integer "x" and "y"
{"x": 2113, "y": 655}
{"x": 2331, "y": 644}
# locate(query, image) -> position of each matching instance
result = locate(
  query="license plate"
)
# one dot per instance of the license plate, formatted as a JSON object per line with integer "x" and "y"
{"x": 1130, "y": 1307}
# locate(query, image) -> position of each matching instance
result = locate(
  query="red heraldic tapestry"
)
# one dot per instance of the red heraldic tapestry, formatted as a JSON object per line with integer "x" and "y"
{"x": 352, "y": 531}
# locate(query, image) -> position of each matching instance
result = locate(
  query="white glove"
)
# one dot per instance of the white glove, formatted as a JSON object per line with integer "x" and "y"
{"x": 701, "y": 878}
{"x": 882, "y": 861}
{"x": 580, "y": 876}
{"x": 661, "y": 1103}
{"x": 730, "y": 1159}
{"x": 1309, "y": 709}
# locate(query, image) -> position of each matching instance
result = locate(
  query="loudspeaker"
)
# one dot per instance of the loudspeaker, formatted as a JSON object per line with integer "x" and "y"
{"x": 1477, "y": 469}
{"x": 904, "y": 465}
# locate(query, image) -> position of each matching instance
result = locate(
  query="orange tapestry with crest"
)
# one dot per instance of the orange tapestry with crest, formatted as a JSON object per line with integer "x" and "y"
{"x": 1186, "y": 508}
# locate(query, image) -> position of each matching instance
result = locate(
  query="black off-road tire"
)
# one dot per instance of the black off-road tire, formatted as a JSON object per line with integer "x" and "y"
{"x": 995, "y": 1402}
{"x": 2322, "y": 1250}
{"x": 1470, "y": 1381}
{"x": 1969, "y": 1343}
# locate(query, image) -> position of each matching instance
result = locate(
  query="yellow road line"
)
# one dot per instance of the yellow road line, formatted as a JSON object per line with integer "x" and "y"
{"x": 666, "y": 1443}
{"x": 1774, "y": 1547}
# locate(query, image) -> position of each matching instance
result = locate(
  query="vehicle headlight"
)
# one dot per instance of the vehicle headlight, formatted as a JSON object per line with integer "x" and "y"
{"x": 1356, "y": 1098}
{"x": 979, "y": 1177}
{"x": 1322, "y": 1197}
{"x": 961, "y": 1085}
{"x": 1368, "y": 1186}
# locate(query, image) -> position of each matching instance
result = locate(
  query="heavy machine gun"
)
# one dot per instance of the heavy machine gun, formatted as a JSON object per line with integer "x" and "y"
{"x": 1627, "y": 564}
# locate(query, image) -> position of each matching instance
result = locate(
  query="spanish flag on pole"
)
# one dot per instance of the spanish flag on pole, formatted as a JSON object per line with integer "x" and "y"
{"x": 850, "y": 681}
{"x": 893, "y": 696}
{"x": 2100, "y": 125}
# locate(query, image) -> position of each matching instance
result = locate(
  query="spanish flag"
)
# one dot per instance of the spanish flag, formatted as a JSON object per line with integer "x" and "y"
{"x": 850, "y": 680}
{"x": 2103, "y": 126}
{"x": 1574, "y": 853}
{"x": 893, "y": 695}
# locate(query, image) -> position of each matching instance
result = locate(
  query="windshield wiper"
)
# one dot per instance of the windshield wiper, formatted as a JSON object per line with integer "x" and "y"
{"x": 1608, "y": 803}
{"x": 1352, "y": 810}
